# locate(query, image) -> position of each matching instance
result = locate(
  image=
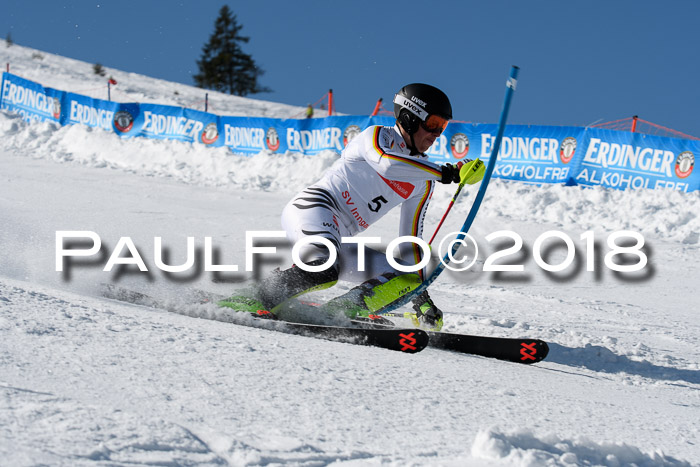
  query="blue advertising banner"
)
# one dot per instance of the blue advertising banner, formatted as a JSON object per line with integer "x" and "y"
{"x": 534, "y": 154}
{"x": 313, "y": 135}
{"x": 31, "y": 100}
{"x": 246, "y": 136}
{"x": 528, "y": 153}
{"x": 167, "y": 122}
{"x": 622, "y": 160}
{"x": 127, "y": 120}
{"x": 90, "y": 112}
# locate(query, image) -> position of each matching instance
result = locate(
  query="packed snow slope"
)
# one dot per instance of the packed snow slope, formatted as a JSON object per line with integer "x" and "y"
{"x": 70, "y": 75}
{"x": 89, "y": 381}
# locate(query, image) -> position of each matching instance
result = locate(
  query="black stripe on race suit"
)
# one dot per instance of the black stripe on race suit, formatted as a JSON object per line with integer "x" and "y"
{"x": 323, "y": 233}
{"x": 325, "y": 193}
{"x": 316, "y": 200}
{"x": 311, "y": 206}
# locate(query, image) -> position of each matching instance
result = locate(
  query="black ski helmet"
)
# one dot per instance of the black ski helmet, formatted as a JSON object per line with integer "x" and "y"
{"x": 414, "y": 102}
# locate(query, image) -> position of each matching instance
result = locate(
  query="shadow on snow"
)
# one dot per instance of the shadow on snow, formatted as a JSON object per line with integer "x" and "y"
{"x": 602, "y": 359}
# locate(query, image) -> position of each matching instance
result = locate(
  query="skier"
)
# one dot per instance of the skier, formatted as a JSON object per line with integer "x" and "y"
{"x": 381, "y": 168}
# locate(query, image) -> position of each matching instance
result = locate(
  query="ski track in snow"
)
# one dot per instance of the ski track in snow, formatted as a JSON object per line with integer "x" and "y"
{"x": 85, "y": 380}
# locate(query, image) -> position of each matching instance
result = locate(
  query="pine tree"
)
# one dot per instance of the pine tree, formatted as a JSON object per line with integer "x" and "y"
{"x": 98, "y": 69}
{"x": 223, "y": 65}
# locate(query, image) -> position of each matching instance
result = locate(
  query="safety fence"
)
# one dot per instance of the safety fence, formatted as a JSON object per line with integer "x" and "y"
{"x": 535, "y": 154}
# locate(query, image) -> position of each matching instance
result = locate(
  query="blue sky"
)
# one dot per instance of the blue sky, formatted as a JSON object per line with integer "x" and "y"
{"x": 581, "y": 62}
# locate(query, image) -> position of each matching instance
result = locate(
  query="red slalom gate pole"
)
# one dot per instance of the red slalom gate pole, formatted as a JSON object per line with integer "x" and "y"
{"x": 330, "y": 102}
{"x": 377, "y": 107}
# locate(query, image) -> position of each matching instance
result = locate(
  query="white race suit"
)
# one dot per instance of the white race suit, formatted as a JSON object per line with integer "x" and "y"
{"x": 375, "y": 173}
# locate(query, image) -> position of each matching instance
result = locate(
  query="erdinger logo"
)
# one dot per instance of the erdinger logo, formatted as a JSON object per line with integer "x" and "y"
{"x": 123, "y": 121}
{"x": 349, "y": 133}
{"x": 684, "y": 164}
{"x": 272, "y": 139}
{"x": 459, "y": 145}
{"x": 210, "y": 133}
{"x": 56, "y": 108}
{"x": 567, "y": 149}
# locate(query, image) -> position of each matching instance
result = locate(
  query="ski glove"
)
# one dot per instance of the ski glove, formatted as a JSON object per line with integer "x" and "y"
{"x": 450, "y": 173}
{"x": 426, "y": 312}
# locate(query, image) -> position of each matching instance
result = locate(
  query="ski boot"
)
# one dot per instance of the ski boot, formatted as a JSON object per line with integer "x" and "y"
{"x": 271, "y": 294}
{"x": 368, "y": 298}
{"x": 247, "y": 303}
{"x": 427, "y": 315}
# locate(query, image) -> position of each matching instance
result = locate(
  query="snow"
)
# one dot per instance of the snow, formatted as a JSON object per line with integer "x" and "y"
{"x": 70, "y": 75}
{"x": 89, "y": 381}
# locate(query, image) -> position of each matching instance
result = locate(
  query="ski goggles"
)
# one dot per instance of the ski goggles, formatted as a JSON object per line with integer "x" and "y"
{"x": 434, "y": 124}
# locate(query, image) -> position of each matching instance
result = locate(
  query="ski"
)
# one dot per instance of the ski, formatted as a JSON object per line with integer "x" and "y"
{"x": 518, "y": 350}
{"x": 402, "y": 340}
{"x": 376, "y": 331}
{"x": 392, "y": 338}
{"x": 521, "y": 350}
{"x": 526, "y": 351}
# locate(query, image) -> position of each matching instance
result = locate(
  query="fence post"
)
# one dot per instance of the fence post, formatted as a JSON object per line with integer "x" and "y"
{"x": 109, "y": 90}
{"x": 330, "y": 102}
{"x": 634, "y": 123}
{"x": 206, "y": 101}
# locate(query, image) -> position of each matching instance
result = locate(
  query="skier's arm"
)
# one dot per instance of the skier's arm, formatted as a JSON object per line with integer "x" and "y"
{"x": 394, "y": 166}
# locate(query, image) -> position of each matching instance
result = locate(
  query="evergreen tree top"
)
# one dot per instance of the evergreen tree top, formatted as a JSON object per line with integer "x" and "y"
{"x": 223, "y": 65}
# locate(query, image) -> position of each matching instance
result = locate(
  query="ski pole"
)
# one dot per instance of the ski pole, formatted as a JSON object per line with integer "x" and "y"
{"x": 447, "y": 211}
{"x": 470, "y": 169}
